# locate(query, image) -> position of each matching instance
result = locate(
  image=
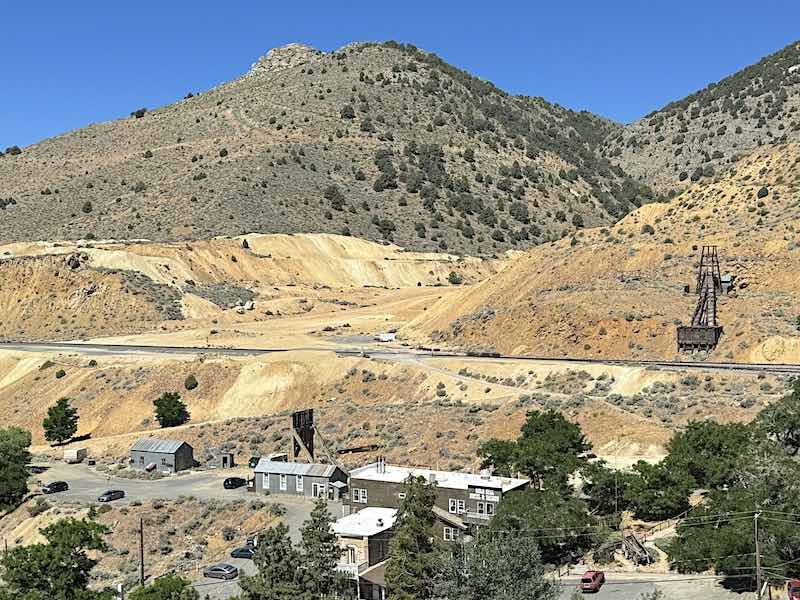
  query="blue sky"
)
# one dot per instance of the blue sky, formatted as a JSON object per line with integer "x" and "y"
{"x": 66, "y": 64}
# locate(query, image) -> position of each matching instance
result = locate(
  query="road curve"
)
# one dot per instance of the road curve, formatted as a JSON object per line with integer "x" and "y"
{"x": 387, "y": 353}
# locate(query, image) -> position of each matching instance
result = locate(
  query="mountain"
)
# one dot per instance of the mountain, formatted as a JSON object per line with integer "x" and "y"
{"x": 706, "y": 132}
{"x": 380, "y": 141}
{"x": 618, "y": 292}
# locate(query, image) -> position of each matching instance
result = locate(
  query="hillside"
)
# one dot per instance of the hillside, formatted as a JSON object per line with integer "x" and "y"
{"x": 68, "y": 290}
{"x": 618, "y": 292}
{"x": 699, "y": 136}
{"x": 381, "y": 141}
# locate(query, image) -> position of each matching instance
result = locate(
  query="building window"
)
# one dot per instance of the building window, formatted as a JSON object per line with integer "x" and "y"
{"x": 283, "y": 482}
{"x": 481, "y": 508}
{"x": 359, "y": 496}
{"x": 450, "y": 534}
{"x": 298, "y": 483}
{"x": 456, "y": 507}
{"x": 141, "y": 459}
{"x": 401, "y": 495}
{"x": 163, "y": 461}
{"x": 490, "y": 508}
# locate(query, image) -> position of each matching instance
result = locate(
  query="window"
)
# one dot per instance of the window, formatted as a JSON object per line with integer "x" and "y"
{"x": 450, "y": 534}
{"x": 455, "y": 506}
{"x": 401, "y": 495}
{"x": 359, "y": 496}
{"x": 163, "y": 461}
{"x": 298, "y": 483}
{"x": 490, "y": 508}
{"x": 141, "y": 459}
{"x": 481, "y": 508}
{"x": 318, "y": 490}
{"x": 283, "y": 482}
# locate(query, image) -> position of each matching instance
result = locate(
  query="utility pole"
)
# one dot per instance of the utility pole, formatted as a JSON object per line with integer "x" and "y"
{"x": 141, "y": 551}
{"x": 758, "y": 556}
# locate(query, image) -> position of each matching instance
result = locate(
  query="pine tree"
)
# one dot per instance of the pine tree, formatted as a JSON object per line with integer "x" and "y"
{"x": 414, "y": 556}
{"x": 61, "y": 422}
{"x": 320, "y": 554}
{"x": 277, "y": 563}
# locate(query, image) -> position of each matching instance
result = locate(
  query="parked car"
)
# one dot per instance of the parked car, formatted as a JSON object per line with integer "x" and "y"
{"x": 231, "y": 483}
{"x": 221, "y": 571}
{"x": 55, "y": 486}
{"x": 793, "y": 588}
{"x": 110, "y": 495}
{"x": 244, "y": 552}
{"x": 592, "y": 581}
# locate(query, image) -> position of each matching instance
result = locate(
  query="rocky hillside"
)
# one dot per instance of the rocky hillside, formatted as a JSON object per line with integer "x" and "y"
{"x": 696, "y": 138}
{"x": 380, "y": 141}
{"x": 617, "y": 292}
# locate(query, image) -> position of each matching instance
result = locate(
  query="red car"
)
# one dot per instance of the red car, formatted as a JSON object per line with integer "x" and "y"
{"x": 592, "y": 581}
{"x": 793, "y": 588}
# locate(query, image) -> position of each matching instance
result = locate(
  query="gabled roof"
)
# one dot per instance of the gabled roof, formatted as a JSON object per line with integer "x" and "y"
{"x": 157, "y": 445}
{"x": 449, "y": 518}
{"x": 444, "y": 479}
{"x": 366, "y": 522}
{"x": 291, "y": 468}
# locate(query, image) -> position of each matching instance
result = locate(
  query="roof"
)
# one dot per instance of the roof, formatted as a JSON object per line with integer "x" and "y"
{"x": 157, "y": 445}
{"x": 366, "y": 522}
{"x": 291, "y": 468}
{"x": 444, "y": 479}
{"x": 448, "y": 518}
{"x": 375, "y": 574}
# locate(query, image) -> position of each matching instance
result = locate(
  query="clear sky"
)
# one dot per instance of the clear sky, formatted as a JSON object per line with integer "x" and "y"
{"x": 65, "y": 64}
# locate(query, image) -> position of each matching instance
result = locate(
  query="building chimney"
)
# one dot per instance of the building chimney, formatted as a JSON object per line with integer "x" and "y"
{"x": 381, "y": 465}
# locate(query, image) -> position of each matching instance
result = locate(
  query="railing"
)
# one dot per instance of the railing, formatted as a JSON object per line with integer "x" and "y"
{"x": 352, "y": 569}
{"x": 477, "y": 516}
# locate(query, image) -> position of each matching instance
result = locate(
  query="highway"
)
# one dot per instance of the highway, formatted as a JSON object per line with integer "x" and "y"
{"x": 389, "y": 353}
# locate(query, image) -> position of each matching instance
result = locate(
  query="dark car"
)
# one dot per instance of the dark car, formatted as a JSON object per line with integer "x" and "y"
{"x": 245, "y": 552}
{"x": 110, "y": 495}
{"x": 221, "y": 571}
{"x": 55, "y": 486}
{"x": 231, "y": 483}
{"x": 592, "y": 581}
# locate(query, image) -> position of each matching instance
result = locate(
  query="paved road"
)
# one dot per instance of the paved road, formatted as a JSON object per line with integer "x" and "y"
{"x": 86, "y": 484}
{"x": 631, "y": 586}
{"x": 384, "y": 352}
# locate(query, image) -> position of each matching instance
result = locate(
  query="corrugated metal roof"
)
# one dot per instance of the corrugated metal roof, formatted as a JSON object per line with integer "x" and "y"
{"x": 157, "y": 445}
{"x": 289, "y": 468}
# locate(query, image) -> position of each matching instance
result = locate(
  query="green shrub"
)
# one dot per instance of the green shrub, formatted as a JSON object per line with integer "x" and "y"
{"x": 190, "y": 383}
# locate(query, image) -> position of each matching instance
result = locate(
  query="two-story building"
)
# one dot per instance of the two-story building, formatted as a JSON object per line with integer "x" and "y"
{"x": 462, "y": 499}
{"x": 364, "y": 538}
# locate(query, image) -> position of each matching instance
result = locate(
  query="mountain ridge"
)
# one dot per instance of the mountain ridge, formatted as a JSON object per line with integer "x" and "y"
{"x": 381, "y": 141}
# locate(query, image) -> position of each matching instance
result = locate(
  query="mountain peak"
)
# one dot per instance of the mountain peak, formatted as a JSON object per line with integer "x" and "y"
{"x": 283, "y": 57}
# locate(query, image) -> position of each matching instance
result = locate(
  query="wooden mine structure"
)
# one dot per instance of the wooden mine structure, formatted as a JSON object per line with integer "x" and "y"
{"x": 705, "y": 331}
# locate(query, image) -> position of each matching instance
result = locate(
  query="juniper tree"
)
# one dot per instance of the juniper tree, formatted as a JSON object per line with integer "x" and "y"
{"x": 320, "y": 553}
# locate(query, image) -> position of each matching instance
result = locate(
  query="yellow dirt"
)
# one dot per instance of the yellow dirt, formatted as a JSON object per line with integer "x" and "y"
{"x": 618, "y": 292}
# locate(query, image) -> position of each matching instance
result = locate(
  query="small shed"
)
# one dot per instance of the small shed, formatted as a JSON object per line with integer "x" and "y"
{"x": 168, "y": 456}
{"x": 300, "y": 479}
